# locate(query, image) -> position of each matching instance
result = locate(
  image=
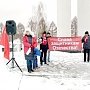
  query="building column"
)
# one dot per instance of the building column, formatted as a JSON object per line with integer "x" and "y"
{"x": 63, "y": 18}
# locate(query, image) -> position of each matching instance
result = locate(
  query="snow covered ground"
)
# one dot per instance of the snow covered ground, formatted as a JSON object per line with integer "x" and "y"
{"x": 66, "y": 71}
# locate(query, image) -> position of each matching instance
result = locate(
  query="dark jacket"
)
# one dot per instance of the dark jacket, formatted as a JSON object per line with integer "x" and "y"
{"x": 86, "y": 44}
{"x": 44, "y": 48}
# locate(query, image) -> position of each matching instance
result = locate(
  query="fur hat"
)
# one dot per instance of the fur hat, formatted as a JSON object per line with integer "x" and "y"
{"x": 31, "y": 33}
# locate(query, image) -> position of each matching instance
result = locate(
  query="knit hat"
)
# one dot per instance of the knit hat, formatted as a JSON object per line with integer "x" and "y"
{"x": 86, "y": 32}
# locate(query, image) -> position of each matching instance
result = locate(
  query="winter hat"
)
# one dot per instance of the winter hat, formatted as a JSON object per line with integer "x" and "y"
{"x": 31, "y": 32}
{"x": 26, "y": 29}
{"x": 86, "y": 32}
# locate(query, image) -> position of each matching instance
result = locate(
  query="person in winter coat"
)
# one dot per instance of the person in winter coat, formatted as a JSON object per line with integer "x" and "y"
{"x": 86, "y": 46}
{"x": 35, "y": 62}
{"x": 29, "y": 45}
{"x": 43, "y": 48}
{"x": 48, "y": 56}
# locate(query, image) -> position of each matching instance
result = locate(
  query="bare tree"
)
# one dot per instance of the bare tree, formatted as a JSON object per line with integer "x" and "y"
{"x": 32, "y": 25}
{"x": 1, "y": 27}
{"x": 74, "y": 30}
{"x": 20, "y": 28}
{"x": 42, "y": 26}
{"x": 53, "y": 29}
{"x": 40, "y": 11}
{"x": 41, "y": 22}
{"x": 37, "y": 23}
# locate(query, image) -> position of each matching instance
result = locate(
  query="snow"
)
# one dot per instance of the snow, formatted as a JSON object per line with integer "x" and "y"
{"x": 66, "y": 71}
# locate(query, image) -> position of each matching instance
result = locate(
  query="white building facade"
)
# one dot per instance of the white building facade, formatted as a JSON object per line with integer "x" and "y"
{"x": 63, "y": 18}
{"x": 83, "y": 14}
{"x": 67, "y": 10}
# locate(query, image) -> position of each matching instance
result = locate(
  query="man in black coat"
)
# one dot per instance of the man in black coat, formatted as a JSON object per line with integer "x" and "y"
{"x": 86, "y": 46}
{"x": 43, "y": 48}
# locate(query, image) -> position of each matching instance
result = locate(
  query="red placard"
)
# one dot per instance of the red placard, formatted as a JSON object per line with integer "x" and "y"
{"x": 65, "y": 43}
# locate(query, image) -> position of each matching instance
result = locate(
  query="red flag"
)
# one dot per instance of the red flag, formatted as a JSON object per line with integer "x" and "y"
{"x": 5, "y": 43}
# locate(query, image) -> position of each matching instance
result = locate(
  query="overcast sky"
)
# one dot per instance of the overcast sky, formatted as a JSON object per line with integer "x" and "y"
{"x": 22, "y": 10}
{"x": 73, "y": 8}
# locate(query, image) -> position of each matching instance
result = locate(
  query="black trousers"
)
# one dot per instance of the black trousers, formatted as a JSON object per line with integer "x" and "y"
{"x": 86, "y": 55}
{"x": 43, "y": 57}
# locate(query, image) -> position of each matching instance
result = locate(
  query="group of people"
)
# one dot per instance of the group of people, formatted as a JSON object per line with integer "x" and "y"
{"x": 86, "y": 46}
{"x": 31, "y": 51}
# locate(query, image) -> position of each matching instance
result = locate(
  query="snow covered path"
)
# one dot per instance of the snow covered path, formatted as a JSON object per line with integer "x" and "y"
{"x": 66, "y": 71}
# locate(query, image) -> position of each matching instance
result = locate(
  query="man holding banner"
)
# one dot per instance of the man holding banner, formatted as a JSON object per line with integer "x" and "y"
{"x": 86, "y": 46}
{"x": 43, "y": 48}
{"x": 48, "y": 56}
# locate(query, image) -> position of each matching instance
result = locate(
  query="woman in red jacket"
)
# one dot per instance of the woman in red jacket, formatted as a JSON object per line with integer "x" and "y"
{"x": 29, "y": 45}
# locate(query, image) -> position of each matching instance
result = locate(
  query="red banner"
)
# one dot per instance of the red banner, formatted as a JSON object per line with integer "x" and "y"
{"x": 65, "y": 43}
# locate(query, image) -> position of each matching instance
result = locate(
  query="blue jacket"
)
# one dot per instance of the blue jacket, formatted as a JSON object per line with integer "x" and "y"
{"x": 37, "y": 52}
